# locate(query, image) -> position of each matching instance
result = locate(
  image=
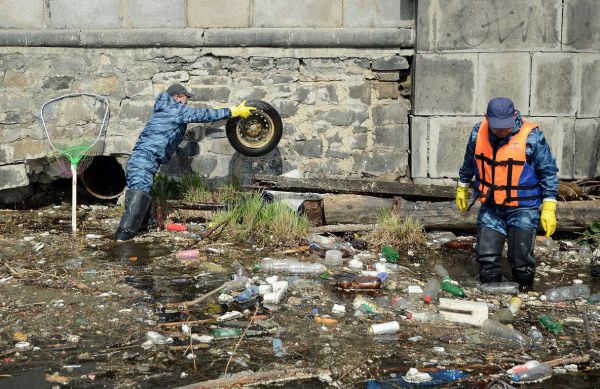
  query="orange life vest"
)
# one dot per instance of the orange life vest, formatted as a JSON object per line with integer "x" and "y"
{"x": 505, "y": 174}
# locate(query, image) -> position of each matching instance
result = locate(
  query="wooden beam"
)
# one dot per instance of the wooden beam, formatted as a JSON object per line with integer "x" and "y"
{"x": 352, "y": 186}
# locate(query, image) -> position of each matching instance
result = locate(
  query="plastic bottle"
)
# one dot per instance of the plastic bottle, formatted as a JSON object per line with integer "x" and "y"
{"x": 431, "y": 290}
{"x": 333, "y": 258}
{"x": 514, "y": 305}
{"x": 358, "y": 282}
{"x": 226, "y": 332}
{"x": 447, "y": 284}
{"x": 565, "y": 293}
{"x": 155, "y": 337}
{"x": 550, "y": 324}
{"x": 427, "y": 317}
{"x": 499, "y": 288}
{"x": 73, "y": 263}
{"x": 543, "y": 370}
{"x": 390, "y": 254}
{"x": 290, "y": 266}
{"x": 519, "y": 369}
{"x": 495, "y": 329}
{"x": 188, "y": 254}
{"x": 536, "y": 336}
{"x": 278, "y": 350}
{"x": 390, "y": 327}
{"x": 247, "y": 294}
{"x": 593, "y": 299}
{"x": 323, "y": 241}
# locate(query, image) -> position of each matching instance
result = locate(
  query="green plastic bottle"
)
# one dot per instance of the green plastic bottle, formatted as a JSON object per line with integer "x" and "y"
{"x": 551, "y": 324}
{"x": 390, "y": 254}
{"x": 226, "y": 332}
{"x": 454, "y": 290}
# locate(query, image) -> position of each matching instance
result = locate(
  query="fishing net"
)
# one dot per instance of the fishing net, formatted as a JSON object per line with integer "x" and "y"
{"x": 75, "y": 128}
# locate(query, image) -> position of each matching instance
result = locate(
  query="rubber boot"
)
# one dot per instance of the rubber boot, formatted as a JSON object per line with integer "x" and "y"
{"x": 136, "y": 207}
{"x": 489, "y": 251}
{"x": 520, "y": 256}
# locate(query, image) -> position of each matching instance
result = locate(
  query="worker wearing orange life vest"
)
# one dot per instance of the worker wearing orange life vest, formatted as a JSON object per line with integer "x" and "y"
{"x": 514, "y": 173}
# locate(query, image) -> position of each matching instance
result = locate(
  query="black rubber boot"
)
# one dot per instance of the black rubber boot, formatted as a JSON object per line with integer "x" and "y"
{"x": 136, "y": 207}
{"x": 520, "y": 256}
{"x": 489, "y": 251}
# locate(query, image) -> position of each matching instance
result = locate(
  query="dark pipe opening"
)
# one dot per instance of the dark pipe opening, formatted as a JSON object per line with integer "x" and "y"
{"x": 104, "y": 178}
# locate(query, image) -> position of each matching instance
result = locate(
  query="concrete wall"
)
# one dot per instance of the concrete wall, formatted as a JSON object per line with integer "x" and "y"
{"x": 338, "y": 72}
{"x": 544, "y": 54}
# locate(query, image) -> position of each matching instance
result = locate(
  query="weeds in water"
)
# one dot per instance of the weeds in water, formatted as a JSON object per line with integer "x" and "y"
{"x": 392, "y": 231}
{"x": 253, "y": 221}
{"x": 190, "y": 188}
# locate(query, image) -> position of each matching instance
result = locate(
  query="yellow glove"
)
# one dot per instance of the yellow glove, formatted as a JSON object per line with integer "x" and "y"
{"x": 462, "y": 192}
{"x": 241, "y": 110}
{"x": 548, "y": 217}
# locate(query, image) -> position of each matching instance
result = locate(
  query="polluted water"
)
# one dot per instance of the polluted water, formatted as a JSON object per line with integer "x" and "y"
{"x": 88, "y": 312}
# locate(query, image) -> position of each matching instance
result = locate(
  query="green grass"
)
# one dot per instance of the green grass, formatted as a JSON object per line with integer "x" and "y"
{"x": 392, "y": 231}
{"x": 255, "y": 222}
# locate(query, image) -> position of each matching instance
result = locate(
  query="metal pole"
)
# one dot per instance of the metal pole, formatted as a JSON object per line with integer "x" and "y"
{"x": 74, "y": 199}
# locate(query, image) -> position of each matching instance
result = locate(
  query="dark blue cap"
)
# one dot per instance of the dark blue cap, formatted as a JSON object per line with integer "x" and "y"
{"x": 500, "y": 113}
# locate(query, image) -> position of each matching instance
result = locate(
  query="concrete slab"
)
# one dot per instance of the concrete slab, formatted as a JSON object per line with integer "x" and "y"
{"x": 209, "y": 13}
{"x": 419, "y": 134}
{"x": 559, "y": 133}
{"x": 581, "y": 23}
{"x": 156, "y": 14}
{"x": 378, "y": 13}
{"x": 445, "y": 84}
{"x": 518, "y": 25}
{"x": 553, "y": 87}
{"x": 504, "y": 74}
{"x": 22, "y": 14}
{"x": 448, "y": 138}
{"x": 586, "y": 146}
{"x": 588, "y": 105}
{"x": 84, "y": 14}
{"x": 13, "y": 176}
{"x": 308, "y": 13}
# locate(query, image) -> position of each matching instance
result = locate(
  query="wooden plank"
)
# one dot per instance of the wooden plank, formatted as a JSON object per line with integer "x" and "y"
{"x": 176, "y": 204}
{"x": 352, "y": 186}
{"x": 350, "y": 208}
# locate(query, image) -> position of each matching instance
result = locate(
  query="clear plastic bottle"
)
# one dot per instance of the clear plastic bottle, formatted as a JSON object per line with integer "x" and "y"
{"x": 278, "y": 350}
{"x": 431, "y": 290}
{"x": 536, "y": 336}
{"x": 565, "y": 293}
{"x": 441, "y": 272}
{"x": 543, "y": 370}
{"x": 290, "y": 266}
{"x": 427, "y": 317}
{"x": 495, "y": 329}
{"x": 333, "y": 258}
{"x": 323, "y": 241}
{"x": 499, "y": 288}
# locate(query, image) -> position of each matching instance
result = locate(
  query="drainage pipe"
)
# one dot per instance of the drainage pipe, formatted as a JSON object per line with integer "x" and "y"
{"x": 104, "y": 178}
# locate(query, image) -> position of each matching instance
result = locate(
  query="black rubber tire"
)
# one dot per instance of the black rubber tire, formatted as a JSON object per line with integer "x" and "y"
{"x": 266, "y": 120}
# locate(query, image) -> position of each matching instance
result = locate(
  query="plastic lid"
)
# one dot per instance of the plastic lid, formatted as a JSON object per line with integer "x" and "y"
{"x": 427, "y": 298}
{"x": 257, "y": 266}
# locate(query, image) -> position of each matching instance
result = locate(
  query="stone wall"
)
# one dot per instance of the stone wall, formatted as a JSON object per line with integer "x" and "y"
{"x": 544, "y": 54}
{"x": 338, "y": 72}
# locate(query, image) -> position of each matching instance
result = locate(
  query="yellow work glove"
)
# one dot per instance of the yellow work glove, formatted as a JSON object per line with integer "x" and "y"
{"x": 548, "y": 217}
{"x": 241, "y": 110}
{"x": 462, "y": 193}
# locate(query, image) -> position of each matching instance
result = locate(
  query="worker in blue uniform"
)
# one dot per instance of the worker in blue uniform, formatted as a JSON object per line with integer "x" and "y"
{"x": 155, "y": 146}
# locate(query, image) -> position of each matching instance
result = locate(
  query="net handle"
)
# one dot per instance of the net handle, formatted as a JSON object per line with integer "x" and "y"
{"x": 99, "y": 97}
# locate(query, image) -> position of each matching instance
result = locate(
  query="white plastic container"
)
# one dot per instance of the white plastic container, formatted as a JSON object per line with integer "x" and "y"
{"x": 390, "y": 327}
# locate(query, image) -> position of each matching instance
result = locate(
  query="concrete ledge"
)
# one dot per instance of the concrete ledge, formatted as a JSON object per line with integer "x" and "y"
{"x": 233, "y": 37}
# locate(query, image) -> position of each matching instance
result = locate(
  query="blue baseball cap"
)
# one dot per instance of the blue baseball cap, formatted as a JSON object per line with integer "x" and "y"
{"x": 500, "y": 113}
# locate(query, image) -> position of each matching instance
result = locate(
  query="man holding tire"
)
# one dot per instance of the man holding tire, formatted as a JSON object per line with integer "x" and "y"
{"x": 155, "y": 146}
